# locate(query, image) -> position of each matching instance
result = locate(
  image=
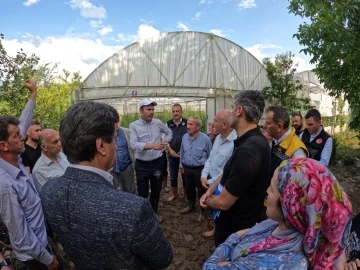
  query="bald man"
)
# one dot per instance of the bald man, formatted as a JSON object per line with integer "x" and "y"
{"x": 52, "y": 163}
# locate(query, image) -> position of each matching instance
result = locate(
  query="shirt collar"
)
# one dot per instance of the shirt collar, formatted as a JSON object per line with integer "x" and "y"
{"x": 287, "y": 133}
{"x": 181, "y": 120}
{"x": 102, "y": 173}
{"x": 313, "y": 136}
{"x": 231, "y": 137}
{"x": 9, "y": 168}
{"x": 144, "y": 122}
{"x": 47, "y": 160}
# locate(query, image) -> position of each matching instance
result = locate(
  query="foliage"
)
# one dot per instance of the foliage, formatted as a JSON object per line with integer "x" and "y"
{"x": 54, "y": 92}
{"x": 164, "y": 117}
{"x": 55, "y": 98}
{"x": 13, "y": 72}
{"x": 332, "y": 38}
{"x": 285, "y": 89}
{"x": 347, "y": 145}
{"x": 334, "y": 121}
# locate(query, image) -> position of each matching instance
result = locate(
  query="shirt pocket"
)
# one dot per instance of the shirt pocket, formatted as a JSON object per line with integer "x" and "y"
{"x": 222, "y": 157}
{"x": 198, "y": 152}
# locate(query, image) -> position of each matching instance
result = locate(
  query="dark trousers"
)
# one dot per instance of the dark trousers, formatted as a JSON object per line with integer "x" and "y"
{"x": 153, "y": 171}
{"x": 174, "y": 171}
{"x": 36, "y": 265}
{"x": 192, "y": 182}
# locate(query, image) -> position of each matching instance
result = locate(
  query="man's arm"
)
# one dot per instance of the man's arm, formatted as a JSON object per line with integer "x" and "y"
{"x": 149, "y": 241}
{"x": 238, "y": 182}
{"x": 326, "y": 152}
{"x": 23, "y": 238}
{"x": 141, "y": 146}
{"x": 28, "y": 112}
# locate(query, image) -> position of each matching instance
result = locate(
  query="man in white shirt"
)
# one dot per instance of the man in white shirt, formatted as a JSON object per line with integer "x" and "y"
{"x": 52, "y": 163}
{"x": 222, "y": 149}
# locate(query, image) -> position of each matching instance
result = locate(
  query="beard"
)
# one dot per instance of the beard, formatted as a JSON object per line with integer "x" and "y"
{"x": 298, "y": 127}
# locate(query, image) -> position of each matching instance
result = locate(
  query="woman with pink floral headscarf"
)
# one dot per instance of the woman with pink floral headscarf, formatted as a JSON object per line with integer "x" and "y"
{"x": 308, "y": 226}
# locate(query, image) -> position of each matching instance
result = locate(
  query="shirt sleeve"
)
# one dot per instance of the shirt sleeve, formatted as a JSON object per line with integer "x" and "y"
{"x": 22, "y": 236}
{"x": 39, "y": 180}
{"x": 149, "y": 241}
{"x": 300, "y": 153}
{"x": 247, "y": 172}
{"x": 26, "y": 116}
{"x": 206, "y": 170}
{"x": 167, "y": 131}
{"x": 134, "y": 143}
{"x": 208, "y": 147}
{"x": 223, "y": 253}
{"x": 326, "y": 152}
{"x": 181, "y": 153}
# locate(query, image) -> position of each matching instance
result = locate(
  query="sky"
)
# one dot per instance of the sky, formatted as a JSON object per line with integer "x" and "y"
{"x": 81, "y": 34}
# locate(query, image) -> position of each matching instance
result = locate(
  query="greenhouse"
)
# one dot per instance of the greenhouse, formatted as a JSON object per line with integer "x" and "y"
{"x": 198, "y": 70}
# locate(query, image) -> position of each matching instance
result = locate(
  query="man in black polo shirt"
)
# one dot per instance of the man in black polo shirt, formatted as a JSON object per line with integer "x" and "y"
{"x": 241, "y": 189}
{"x": 178, "y": 128}
{"x": 32, "y": 146}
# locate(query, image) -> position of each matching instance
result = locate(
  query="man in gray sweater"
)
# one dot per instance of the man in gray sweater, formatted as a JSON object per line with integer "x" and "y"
{"x": 99, "y": 226}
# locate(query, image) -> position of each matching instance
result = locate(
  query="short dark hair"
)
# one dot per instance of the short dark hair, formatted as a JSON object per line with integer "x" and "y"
{"x": 253, "y": 103}
{"x": 177, "y": 105}
{"x": 280, "y": 114}
{"x": 314, "y": 113}
{"x": 35, "y": 122}
{"x": 5, "y": 121}
{"x": 81, "y": 125}
{"x": 115, "y": 113}
{"x": 297, "y": 114}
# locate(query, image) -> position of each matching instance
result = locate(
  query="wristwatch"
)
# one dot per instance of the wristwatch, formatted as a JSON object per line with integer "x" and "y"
{"x": 3, "y": 263}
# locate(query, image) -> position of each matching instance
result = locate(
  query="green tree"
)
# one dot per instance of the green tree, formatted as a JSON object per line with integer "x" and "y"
{"x": 14, "y": 70}
{"x": 331, "y": 36}
{"x": 54, "y": 99}
{"x": 285, "y": 89}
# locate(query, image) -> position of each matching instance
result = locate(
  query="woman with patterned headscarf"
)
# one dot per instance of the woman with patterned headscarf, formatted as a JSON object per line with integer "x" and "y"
{"x": 309, "y": 223}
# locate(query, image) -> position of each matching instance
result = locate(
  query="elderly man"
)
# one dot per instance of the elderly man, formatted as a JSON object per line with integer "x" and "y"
{"x": 241, "y": 189}
{"x": 80, "y": 205}
{"x": 32, "y": 146}
{"x": 222, "y": 149}
{"x": 195, "y": 150}
{"x": 146, "y": 139}
{"x": 317, "y": 140}
{"x": 286, "y": 144}
{"x": 52, "y": 163}
{"x": 178, "y": 127}
{"x": 20, "y": 205}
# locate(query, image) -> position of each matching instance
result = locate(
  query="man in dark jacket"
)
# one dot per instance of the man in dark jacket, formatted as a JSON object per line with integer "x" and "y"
{"x": 178, "y": 128}
{"x": 99, "y": 226}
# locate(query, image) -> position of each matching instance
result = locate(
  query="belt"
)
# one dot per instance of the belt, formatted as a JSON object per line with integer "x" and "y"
{"x": 149, "y": 161}
{"x": 194, "y": 167}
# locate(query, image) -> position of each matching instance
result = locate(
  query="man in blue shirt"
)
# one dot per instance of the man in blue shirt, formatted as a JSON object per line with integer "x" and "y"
{"x": 195, "y": 150}
{"x": 20, "y": 205}
{"x": 316, "y": 139}
{"x": 123, "y": 170}
{"x": 146, "y": 138}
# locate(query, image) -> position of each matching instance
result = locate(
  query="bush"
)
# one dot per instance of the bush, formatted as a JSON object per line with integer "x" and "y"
{"x": 346, "y": 145}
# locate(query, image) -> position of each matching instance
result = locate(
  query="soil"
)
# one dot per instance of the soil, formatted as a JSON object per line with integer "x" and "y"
{"x": 184, "y": 231}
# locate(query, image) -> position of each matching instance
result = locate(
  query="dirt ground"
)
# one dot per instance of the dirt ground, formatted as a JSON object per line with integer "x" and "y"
{"x": 184, "y": 231}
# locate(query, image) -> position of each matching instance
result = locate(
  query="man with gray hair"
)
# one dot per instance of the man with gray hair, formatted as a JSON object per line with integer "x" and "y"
{"x": 195, "y": 150}
{"x": 52, "y": 163}
{"x": 221, "y": 151}
{"x": 241, "y": 189}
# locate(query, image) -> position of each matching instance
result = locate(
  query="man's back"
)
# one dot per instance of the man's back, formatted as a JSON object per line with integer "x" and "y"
{"x": 101, "y": 227}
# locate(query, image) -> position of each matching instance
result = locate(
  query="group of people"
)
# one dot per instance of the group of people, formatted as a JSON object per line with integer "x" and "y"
{"x": 78, "y": 186}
